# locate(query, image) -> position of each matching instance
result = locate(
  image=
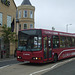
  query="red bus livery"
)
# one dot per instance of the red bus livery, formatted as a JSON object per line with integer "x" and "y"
{"x": 41, "y": 46}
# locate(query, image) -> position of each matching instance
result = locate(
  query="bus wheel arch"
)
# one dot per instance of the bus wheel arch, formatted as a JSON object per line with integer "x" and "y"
{"x": 55, "y": 58}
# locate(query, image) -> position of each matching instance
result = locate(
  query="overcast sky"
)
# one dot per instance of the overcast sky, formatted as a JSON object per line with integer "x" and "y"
{"x": 54, "y": 13}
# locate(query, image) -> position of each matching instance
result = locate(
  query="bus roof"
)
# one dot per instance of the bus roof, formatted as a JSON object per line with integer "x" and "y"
{"x": 47, "y": 32}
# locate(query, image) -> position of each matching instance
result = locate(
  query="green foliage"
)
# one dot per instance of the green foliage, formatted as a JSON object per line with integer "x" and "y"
{"x": 8, "y": 35}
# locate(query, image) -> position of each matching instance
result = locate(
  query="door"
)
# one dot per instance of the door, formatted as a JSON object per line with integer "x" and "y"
{"x": 47, "y": 48}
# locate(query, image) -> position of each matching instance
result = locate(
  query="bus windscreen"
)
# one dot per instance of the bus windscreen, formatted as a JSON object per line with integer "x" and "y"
{"x": 29, "y": 40}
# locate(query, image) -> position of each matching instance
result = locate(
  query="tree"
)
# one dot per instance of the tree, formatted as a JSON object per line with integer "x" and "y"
{"x": 8, "y": 37}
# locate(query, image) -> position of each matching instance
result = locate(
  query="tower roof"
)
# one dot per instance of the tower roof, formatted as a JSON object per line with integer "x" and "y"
{"x": 26, "y": 2}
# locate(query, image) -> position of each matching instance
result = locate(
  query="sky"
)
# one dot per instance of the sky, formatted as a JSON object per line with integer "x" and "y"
{"x": 54, "y": 13}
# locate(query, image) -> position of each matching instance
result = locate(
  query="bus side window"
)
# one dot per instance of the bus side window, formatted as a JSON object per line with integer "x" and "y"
{"x": 55, "y": 41}
{"x": 69, "y": 42}
{"x": 62, "y": 41}
{"x": 73, "y": 42}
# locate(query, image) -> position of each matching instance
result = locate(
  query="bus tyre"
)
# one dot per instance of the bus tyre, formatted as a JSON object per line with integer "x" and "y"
{"x": 55, "y": 58}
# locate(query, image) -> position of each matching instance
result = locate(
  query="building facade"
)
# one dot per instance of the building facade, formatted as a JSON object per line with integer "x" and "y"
{"x": 8, "y": 17}
{"x": 25, "y": 16}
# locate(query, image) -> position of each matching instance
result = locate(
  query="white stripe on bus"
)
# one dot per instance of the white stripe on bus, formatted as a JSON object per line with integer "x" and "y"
{"x": 65, "y": 51}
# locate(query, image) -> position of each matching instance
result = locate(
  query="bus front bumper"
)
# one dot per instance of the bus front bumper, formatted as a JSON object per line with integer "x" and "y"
{"x": 30, "y": 61}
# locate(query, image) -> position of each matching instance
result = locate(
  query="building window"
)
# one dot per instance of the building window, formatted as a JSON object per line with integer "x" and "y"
{"x": 31, "y": 25}
{"x": 20, "y": 14}
{"x": 31, "y": 14}
{"x": 19, "y": 26}
{"x": 8, "y": 21}
{"x": 25, "y": 13}
{"x": 1, "y": 19}
{"x": 25, "y": 26}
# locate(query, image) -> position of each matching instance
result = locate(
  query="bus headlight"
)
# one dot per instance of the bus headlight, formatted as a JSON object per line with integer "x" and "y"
{"x": 19, "y": 57}
{"x": 37, "y": 58}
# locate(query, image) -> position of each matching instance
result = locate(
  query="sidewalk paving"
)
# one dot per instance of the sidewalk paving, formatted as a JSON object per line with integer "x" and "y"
{"x": 8, "y": 59}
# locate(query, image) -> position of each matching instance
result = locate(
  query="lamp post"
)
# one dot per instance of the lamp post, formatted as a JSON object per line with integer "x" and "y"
{"x": 67, "y": 27}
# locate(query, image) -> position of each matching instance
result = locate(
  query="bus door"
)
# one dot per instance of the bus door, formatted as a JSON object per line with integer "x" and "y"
{"x": 47, "y": 48}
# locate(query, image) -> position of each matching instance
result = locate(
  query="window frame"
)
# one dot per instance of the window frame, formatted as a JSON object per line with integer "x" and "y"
{"x": 31, "y": 14}
{"x": 24, "y": 26}
{"x": 8, "y": 19}
{"x": 25, "y": 13}
{"x": 19, "y": 26}
{"x": 31, "y": 27}
{"x": 1, "y": 22}
{"x": 20, "y": 12}
{"x": 62, "y": 42}
{"x": 54, "y": 45}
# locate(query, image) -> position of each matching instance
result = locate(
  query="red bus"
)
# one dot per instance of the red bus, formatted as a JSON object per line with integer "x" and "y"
{"x": 41, "y": 46}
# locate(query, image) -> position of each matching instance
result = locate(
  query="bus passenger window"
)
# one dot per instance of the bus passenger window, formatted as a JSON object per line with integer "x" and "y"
{"x": 73, "y": 42}
{"x": 62, "y": 41}
{"x": 69, "y": 41}
{"x": 55, "y": 41}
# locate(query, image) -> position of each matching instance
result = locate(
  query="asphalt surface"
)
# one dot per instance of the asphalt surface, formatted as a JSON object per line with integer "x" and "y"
{"x": 8, "y": 62}
{"x": 13, "y": 67}
{"x": 66, "y": 69}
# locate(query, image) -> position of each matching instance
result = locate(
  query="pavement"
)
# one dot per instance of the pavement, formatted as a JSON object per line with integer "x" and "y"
{"x": 7, "y": 59}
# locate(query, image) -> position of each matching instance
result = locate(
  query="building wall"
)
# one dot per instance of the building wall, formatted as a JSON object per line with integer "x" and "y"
{"x": 26, "y": 20}
{"x": 8, "y": 11}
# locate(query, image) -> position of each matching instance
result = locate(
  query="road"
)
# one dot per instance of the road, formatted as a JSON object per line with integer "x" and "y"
{"x": 39, "y": 69}
{"x": 66, "y": 69}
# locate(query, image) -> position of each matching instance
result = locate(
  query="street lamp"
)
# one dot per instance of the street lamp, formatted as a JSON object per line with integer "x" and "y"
{"x": 67, "y": 27}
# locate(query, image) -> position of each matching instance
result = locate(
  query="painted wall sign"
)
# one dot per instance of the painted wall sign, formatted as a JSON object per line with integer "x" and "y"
{"x": 7, "y": 3}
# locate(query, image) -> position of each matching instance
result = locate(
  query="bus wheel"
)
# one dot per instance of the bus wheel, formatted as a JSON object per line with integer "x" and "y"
{"x": 55, "y": 58}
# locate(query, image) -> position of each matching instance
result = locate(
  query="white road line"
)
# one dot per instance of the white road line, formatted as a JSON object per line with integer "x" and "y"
{"x": 44, "y": 69}
{"x": 4, "y": 66}
{"x": 52, "y": 66}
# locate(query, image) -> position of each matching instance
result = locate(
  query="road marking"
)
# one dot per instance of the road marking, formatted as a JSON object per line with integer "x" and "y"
{"x": 44, "y": 69}
{"x": 4, "y": 66}
{"x": 60, "y": 63}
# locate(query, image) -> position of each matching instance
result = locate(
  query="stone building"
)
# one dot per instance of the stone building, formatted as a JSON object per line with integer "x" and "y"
{"x": 8, "y": 17}
{"x": 25, "y": 16}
